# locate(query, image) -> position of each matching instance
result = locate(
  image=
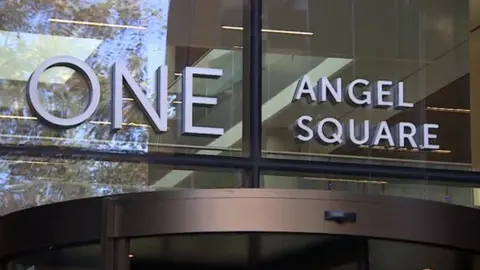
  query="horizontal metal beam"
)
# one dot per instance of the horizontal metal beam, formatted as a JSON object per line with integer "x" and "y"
{"x": 266, "y": 165}
{"x": 177, "y": 159}
{"x": 371, "y": 171}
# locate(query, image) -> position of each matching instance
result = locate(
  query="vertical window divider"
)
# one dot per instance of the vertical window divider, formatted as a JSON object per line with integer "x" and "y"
{"x": 252, "y": 90}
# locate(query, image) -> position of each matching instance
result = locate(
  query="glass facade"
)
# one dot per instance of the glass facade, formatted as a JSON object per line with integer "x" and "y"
{"x": 271, "y": 112}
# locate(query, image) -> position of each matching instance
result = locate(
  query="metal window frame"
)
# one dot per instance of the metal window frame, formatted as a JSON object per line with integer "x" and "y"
{"x": 252, "y": 90}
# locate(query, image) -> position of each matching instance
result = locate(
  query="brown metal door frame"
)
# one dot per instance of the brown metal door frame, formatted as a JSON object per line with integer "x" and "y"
{"x": 111, "y": 220}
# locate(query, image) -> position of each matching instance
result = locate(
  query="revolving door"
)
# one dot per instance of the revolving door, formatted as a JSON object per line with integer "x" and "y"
{"x": 220, "y": 229}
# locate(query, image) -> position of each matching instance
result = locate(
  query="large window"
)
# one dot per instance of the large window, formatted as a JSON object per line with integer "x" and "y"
{"x": 418, "y": 188}
{"x": 133, "y": 38}
{"x": 28, "y": 182}
{"x": 137, "y": 37}
{"x": 103, "y": 97}
{"x": 403, "y": 65}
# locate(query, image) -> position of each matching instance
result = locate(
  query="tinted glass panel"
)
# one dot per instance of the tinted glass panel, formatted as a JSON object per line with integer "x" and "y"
{"x": 27, "y": 182}
{"x": 292, "y": 251}
{"x": 79, "y": 257}
{"x": 427, "y": 189}
{"x": 415, "y": 53}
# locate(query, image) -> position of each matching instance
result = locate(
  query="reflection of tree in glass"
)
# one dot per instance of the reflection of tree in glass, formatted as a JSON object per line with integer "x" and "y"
{"x": 117, "y": 42}
{"x": 34, "y": 181}
{"x": 55, "y": 181}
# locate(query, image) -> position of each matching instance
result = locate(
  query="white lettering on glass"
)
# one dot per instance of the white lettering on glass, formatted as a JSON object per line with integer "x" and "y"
{"x": 360, "y": 92}
{"x": 189, "y": 99}
{"x": 120, "y": 77}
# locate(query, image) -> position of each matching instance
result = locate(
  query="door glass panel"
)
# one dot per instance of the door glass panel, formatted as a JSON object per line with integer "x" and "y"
{"x": 85, "y": 257}
{"x": 269, "y": 251}
{"x": 237, "y": 251}
{"x": 402, "y": 256}
{"x": 291, "y": 251}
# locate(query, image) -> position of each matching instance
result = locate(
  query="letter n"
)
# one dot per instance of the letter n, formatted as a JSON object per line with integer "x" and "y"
{"x": 120, "y": 77}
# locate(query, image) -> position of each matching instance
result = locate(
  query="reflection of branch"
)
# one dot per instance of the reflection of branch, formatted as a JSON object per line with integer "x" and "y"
{"x": 113, "y": 177}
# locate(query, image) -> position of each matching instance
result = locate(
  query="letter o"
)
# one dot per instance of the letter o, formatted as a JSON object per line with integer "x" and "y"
{"x": 80, "y": 67}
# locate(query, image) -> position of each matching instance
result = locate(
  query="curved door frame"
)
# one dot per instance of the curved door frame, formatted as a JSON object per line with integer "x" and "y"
{"x": 238, "y": 210}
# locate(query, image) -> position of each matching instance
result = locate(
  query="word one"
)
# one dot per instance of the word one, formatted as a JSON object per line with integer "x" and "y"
{"x": 119, "y": 77}
{"x": 379, "y": 95}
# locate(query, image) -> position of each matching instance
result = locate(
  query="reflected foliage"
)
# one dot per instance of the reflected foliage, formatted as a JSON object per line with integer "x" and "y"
{"x": 31, "y": 182}
{"x": 28, "y": 36}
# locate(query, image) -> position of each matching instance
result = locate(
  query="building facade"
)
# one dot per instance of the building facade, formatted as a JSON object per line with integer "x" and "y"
{"x": 239, "y": 134}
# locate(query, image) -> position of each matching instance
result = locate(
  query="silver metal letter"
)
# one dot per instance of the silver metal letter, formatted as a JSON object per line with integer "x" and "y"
{"x": 425, "y": 137}
{"x": 399, "y": 134}
{"x": 80, "y": 67}
{"x": 335, "y": 91}
{"x": 399, "y": 98}
{"x": 336, "y": 137}
{"x": 364, "y": 132}
{"x": 304, "y": 87}
{"x": 352, "y": 99}
{"x": 158, "y": 118}
{"x": 189, "y": 99}
{"x": 379, "y": 95}
{"x": 382, "y": 132}
{"x": 304, "y": 132}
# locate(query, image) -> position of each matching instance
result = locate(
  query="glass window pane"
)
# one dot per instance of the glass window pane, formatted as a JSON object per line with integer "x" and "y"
{"x": 447, "y": 192}
{"x": 139, "y": 36}
{"x": 27, "y": 182}
{"x": 398, "y": 255}
{"x": 402, "y": 64}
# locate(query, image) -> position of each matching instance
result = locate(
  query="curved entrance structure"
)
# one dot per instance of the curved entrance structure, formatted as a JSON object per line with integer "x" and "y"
{"x": 242, "y": 228}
